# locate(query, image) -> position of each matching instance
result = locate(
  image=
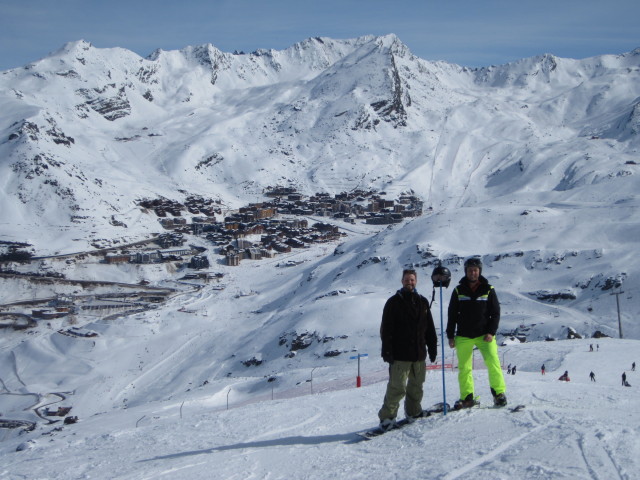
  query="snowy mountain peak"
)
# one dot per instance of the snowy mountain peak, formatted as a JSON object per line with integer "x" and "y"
{"x": 324, "y": 114}
{"x": 76, "y": 48}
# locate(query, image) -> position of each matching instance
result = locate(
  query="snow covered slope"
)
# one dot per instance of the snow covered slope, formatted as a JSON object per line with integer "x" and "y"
{"x": 578, "y": 429}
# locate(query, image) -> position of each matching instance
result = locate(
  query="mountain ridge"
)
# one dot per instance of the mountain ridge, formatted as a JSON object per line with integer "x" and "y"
{"x": 363, "y": 112}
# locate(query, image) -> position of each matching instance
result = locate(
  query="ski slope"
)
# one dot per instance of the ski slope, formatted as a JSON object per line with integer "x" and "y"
{"x": 574, "y": 430}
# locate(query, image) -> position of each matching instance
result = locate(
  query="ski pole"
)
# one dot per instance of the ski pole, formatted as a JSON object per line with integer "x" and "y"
{"x": 444, "y": 388}
{"x": 442, "y": 277}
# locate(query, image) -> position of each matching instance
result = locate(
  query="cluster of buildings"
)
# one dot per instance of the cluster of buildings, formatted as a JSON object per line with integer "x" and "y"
{"x": 235, "y": 236}
{"x": 193, "y": 204}
{"x": 369, "y": 206}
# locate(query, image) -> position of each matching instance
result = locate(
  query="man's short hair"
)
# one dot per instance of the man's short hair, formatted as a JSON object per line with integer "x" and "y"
{"x": 409, "y": 271}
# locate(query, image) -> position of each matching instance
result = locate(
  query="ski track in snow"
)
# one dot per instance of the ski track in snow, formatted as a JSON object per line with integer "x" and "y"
{"x": 466, "y": 469}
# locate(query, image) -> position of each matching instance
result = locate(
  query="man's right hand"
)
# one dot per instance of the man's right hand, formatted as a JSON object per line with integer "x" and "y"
{"x": 452, "y": 342}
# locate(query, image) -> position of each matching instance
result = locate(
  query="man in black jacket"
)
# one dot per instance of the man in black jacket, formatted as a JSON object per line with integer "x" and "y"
{"x": 408, "y": 334}
{"x": 474, "y": 315}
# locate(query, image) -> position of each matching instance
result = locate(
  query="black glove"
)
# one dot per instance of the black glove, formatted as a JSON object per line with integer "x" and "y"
{"x": 388, "y": 359}
{"x": 432, "y": 358}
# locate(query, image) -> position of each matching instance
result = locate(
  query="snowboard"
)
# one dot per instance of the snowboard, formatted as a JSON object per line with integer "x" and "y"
{"x": 437, "y": 408}
{"x": 376, "y": 432}
{"x": 514, "y": 409}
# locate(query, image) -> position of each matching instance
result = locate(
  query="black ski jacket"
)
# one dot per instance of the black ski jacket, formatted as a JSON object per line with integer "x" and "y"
{"x": 407, "y": 330}
{"x": 473, "y": 314}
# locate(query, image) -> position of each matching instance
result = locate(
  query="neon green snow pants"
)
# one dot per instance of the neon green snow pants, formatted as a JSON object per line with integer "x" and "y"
{"x": 405, "y": 378}
{"x": 489, "y": 351}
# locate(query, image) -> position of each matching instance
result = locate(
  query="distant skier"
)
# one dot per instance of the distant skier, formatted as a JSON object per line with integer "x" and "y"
{"x": 591, "y": 347}
{"x": 592, "y": 376}
{"x": 633, "y": 367}
{"x": 542, "y": 369}
{"x": 624, "y": 379}
{"x": 509, "y": 369}
{"x": 565, "y": 376}
{"x": 513, "y": 370}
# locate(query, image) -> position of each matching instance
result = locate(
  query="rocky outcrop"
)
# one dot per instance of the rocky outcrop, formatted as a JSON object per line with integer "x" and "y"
{"x": 112, "y": 104}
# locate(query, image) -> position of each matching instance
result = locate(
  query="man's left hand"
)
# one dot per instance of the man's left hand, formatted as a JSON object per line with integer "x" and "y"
{"x": 488, "y": 338}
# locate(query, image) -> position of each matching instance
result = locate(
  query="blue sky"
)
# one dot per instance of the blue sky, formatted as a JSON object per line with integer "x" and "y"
{"x": 466, "y": 32}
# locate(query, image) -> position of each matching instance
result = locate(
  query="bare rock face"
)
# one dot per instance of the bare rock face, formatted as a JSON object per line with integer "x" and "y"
{"x": 112, "y": 104}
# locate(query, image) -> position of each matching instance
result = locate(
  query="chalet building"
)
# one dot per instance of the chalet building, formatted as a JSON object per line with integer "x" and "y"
{"x": 170, "y": 223}
{"x": 62, "y": 301}
{"x": 175, "y": 252}
{"x": 257, "y": 229}
{"x": 259, "y": 210}
{"x": 281, "y": 247}
{"x": 145, "y": 257}
{"x": 326, "y": 227}
{"x": 117, "y": 258}
{"x": 218, "y": 238}
{"x": 295, "y": 243}
{"x": 408, "y": 199}
{"x": 207, "y": 220}
{"x": 254, "y": 253}
{"x": 229, "y": 225}
{"x": 197, "y": 228}
{"x": 47, "y": 314}
{"x": 385, "y": 219}
{"x": 60, "y": 412}
{"x": 411, "y": 213}
{"x": 198, "y": 262}
{"x": 167, "y": 240}
{"x": 210, "y": 212}
{"x": 228, "y": 250}
{"x": 296, "y": 223}
{"x": 241, "y": 243}
{"x": 233, "y": 259}
{"x": 113, "y": 305}
{"x": 373, "y": 207}
{"x": 279, "y": 191}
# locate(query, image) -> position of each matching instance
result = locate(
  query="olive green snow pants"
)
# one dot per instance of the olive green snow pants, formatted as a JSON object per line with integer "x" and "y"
{"x": 489, "y": 351}
{"x": 405, "y": 379}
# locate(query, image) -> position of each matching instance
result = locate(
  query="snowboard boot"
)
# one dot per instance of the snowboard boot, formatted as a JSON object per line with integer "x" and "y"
{"x": 413, "y": 418}
{"x": 467, "y": 402}
{"x": 500, "y": 400}
{"x": 387, "y": 424}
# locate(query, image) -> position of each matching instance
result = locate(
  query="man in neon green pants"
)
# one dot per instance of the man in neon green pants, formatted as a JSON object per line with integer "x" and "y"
{"x": 474, "y": 315}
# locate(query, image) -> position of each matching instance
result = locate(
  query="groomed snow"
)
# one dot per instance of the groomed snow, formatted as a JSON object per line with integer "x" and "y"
{"x": 576, "y": 430}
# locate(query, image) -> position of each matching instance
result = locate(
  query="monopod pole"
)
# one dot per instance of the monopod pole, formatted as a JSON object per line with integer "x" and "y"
{"x": 444, "y": 388}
